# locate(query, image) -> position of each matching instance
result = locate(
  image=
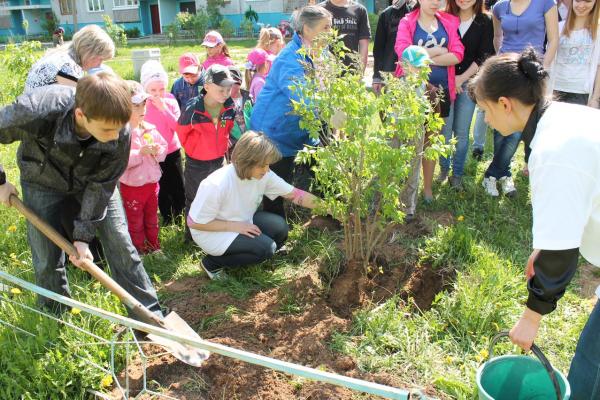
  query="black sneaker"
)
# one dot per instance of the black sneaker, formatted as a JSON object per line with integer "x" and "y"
{"x": 477, "y": 154}
{"x": 456, "y": 182}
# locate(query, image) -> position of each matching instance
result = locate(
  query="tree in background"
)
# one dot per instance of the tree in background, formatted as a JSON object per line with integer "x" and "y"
{"x": 50, "y": 24}
{"x": 115, "y": 31}
{"x": 213, "y": 8}
{"x": 17, "y": 61}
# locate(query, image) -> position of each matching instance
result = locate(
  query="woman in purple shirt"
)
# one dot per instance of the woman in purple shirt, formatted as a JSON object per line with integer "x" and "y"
{"x": 519, "y": 24}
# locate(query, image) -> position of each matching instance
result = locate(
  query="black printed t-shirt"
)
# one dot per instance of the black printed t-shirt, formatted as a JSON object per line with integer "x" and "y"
{"x": 351, "y": 20}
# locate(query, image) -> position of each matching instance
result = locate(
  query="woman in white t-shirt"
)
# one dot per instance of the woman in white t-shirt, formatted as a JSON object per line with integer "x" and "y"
{"x": 575, "y": 71}
{"x": 223, "y": 219}
{"x": 565, "y": 195}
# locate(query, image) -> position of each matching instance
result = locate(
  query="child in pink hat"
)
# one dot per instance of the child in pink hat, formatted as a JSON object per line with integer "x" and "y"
{"x": 216, "y": 50}
{"x": 186, "y": 87}
{"x": 257, "y": 68}
{"x": 139, "y": 183}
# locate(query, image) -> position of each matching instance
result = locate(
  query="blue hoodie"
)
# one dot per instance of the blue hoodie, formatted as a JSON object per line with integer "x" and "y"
{"x": 272, "y": 111}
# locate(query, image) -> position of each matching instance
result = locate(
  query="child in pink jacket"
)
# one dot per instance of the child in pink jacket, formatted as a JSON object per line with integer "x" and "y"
{"x": 139, "y": 184}
{"x": 163, "y": 112}
{"x": 437, "y": 32}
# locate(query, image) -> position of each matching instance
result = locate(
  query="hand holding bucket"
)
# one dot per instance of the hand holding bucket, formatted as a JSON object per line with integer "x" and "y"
{"x": 520, "y": 377}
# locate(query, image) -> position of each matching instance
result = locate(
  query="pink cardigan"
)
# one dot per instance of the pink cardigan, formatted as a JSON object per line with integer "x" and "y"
{"x": 165, "y": 122}
{"x": 144, "y": 169}
{"x": 221, "y": 59}
{"x": 406, "y": 32}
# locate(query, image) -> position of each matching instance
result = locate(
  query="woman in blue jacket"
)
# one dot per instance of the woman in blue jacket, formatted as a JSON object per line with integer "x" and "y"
{"x": 273, "y": 109}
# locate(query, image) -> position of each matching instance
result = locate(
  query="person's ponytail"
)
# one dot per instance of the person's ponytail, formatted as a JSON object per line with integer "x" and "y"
{"x": 531, "y": 66}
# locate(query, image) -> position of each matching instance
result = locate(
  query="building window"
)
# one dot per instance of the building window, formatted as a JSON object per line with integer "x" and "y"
{"x": 95, "y": 5}
{"x": 65, "y": 7}
{"x": 125, "y": 3}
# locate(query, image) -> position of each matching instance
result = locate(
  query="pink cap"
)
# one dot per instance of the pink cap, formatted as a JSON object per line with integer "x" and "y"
{"x": 212, "y": 39}
{"x": 258, "y": 57}
{"x": 189, "y": 64}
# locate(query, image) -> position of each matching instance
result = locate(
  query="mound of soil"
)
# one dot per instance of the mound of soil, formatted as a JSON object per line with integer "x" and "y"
{"x": 265, "y": 324}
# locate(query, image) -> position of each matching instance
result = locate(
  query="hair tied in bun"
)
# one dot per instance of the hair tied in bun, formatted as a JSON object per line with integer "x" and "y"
{"x": 530, "y": 65}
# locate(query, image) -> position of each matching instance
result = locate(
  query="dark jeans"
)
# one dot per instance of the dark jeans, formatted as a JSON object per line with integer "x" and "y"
{"x": 285, "y": 169}
{"x": 584, "y": 374}
{"x": 245, "y": 250}
{"x": 195, "y": 172}
{"x": 171, "y": 196}
{"x": 49, "y": 260}
{"x": 504, "y": 150}
{"x": 573, "y": 98}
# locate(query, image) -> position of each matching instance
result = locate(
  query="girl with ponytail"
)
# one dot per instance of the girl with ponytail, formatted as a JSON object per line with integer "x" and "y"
{"x": 564, "y": 168}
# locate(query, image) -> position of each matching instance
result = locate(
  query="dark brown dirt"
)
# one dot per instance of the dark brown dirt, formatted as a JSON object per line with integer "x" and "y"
{"x": 266, "y": 325}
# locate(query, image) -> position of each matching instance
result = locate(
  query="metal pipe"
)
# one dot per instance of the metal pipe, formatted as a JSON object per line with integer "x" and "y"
{"x": 283, "y": 366}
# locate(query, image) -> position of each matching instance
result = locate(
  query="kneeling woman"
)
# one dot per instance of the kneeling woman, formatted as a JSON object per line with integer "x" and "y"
{"x": 223, "y": 219}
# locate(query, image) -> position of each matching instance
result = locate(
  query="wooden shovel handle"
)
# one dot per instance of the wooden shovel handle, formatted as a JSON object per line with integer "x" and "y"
{"x": 89, "y": 266}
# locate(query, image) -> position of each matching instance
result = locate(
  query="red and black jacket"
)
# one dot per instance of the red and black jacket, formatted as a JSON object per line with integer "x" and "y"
{"x": 200, "y": 137}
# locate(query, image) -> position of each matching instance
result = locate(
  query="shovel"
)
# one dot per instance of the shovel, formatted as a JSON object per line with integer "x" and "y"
{"x": 172, "y": 322}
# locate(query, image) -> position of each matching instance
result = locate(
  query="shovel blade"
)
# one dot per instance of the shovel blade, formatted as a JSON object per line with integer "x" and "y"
{"x": 188, "y": 355}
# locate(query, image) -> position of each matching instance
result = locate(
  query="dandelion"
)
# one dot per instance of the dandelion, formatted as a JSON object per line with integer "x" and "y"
{"x": 13, "y": 256}
{"x": 148, "y": 138}
{"x": 448, "y": 360}
{"x": 12, "y": 228}
{"x": 106, "y": 381}
{"x": 15, "y": 291}
{"x": 482, "y": 356}
{"x": 75, "y": 311}
{"x": 461, "y": 218}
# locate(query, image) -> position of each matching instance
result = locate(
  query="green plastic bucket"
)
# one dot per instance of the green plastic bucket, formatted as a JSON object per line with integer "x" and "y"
{"x": 514, "y": 377}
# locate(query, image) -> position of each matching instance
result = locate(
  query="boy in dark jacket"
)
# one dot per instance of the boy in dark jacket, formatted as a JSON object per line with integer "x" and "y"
{"x": 204, "y": 129}
{"x": 74, "y": 147}
{"x": 384, "y": 55}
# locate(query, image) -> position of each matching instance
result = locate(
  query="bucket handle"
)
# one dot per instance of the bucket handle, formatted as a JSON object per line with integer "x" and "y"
{"x": 538, "y": 353}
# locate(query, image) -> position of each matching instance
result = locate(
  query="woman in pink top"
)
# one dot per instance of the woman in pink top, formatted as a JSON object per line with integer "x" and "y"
{"x": 216, "y": 50}
{"x": 437, "y": 32}
{"x": 163, "y": 112}
{"x": 139, "y": 184}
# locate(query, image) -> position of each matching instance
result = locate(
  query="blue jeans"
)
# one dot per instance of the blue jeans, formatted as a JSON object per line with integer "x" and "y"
{"x": 49, "y": 260}
{"x": 245, "y": 250}
{"x": 459, "y": 123}
{"x": 479, "y": 130}
{"x": 504, "y": 150}
{"x": 584, "y": 374}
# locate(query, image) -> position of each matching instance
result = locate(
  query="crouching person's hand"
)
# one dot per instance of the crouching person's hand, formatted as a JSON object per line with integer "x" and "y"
{"x": 246, "y": 229}
{"x": 84, "y": 253}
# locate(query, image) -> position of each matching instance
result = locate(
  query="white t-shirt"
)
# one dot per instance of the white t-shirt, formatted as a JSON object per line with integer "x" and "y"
{"x": 564, "y": 169}
{"x": 224, "y": 196}
{"x": 573, "y": 59}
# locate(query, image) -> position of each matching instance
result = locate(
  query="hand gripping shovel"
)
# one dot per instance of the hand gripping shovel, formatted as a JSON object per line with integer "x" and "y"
{"x": 172, "y": 322}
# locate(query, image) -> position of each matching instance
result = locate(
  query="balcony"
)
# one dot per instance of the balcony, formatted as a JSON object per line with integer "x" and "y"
{"x": 27, "y": 5}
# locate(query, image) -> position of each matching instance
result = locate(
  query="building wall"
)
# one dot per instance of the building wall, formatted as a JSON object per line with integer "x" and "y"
{"x": 168, "y": 11}
{"x": 35, "y": 18}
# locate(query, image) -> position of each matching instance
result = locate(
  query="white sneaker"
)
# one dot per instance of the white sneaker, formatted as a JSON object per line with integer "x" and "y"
{"x": 508, "y": 186}
{"x": 489, "y": 184}
{"x": 218, "y": 274}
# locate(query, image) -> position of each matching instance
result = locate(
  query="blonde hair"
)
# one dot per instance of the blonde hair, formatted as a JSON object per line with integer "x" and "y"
{"x": 91, "y": 41}
{"x": 591, "y": 24}
{"x": 254, "y": 149}
{"x": 267, "y": 37}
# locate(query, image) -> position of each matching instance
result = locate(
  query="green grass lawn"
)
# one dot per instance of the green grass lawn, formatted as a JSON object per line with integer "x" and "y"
{"x": 488, "y": 245}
